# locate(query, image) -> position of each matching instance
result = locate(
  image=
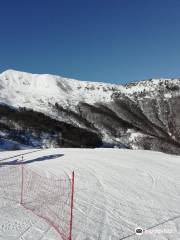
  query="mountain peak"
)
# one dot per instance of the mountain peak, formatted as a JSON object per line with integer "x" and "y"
{"x": 10, "y": 71}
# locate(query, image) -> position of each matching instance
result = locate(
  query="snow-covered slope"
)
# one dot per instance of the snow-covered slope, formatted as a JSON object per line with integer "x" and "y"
{"x": 116, "y": 191}
{"x": 37, "y": 91}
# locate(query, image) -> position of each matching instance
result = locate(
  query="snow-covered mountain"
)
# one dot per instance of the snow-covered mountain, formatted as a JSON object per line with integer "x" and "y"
{"x": 38, "y": 91}
{"x": 46, "y": 110}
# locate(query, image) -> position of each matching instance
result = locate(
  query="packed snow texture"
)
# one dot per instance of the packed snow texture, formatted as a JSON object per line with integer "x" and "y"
{"x": 116, "y": 191}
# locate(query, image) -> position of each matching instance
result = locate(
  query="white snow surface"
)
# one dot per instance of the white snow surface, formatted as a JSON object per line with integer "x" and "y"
{"x": 116, "y": 191}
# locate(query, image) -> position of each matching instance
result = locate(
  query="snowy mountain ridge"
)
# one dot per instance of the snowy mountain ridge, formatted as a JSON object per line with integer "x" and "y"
{"x": 23, "y": 89}
{"x": 139, "y": 115}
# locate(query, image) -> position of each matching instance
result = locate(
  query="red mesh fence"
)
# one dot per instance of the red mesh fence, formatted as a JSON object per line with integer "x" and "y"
{"x": 49, "y": 198}
{"x": 10, "y": 183}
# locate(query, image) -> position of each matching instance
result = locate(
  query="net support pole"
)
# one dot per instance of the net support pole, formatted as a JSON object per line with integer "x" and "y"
{"x": 22, "y": 182}
{"x": 72, "y": 203}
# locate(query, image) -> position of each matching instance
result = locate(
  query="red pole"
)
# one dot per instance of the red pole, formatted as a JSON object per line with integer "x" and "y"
{"x": 72, "y": 203}
{"x": 22, "y": 182}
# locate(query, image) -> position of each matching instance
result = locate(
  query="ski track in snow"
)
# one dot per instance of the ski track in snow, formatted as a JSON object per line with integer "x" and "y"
{"x": 115, "y": 191}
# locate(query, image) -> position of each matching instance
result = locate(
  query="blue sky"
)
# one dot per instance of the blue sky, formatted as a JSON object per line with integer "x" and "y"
{"x": 116, "y": 41}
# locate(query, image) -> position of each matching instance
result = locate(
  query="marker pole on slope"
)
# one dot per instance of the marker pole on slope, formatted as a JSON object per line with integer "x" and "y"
{"x": 72, "y": 203}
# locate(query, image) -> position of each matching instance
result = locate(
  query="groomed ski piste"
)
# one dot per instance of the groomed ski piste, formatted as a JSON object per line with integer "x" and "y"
{"x": 116, "y": 191}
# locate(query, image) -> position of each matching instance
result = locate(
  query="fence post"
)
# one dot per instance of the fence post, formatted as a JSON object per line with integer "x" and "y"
{"x": 22, "y": 182}
{"x": 72, "y": 203}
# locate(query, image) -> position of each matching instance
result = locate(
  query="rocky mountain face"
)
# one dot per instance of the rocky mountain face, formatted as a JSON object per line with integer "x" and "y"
{"x": 51, "y": 111}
